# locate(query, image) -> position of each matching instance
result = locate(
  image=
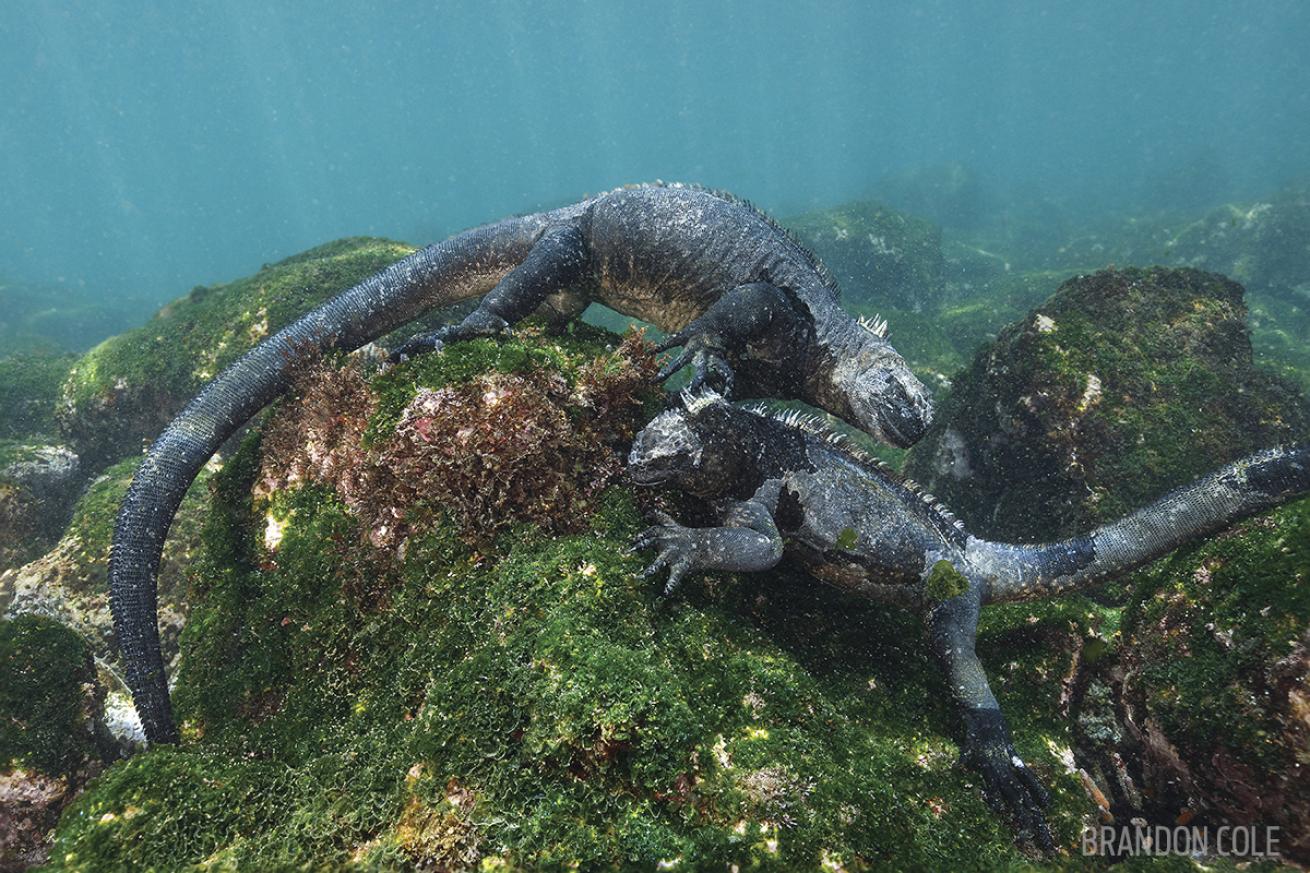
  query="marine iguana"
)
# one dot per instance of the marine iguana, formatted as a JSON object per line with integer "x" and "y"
{"x": 782, "y": 483}
{"x": 749, "y": 306}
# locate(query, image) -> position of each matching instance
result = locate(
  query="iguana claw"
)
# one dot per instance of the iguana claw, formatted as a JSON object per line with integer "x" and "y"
{"x": 676, "y": 550}
{"x": 1009, "y": 786}
{"x": 709, "y": 364}
{"x": 477, "y": 324}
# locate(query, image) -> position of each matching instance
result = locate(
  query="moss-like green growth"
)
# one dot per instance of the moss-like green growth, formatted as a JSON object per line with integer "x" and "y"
{"x": 1217, "y": 659}
{"x": 880, "y": 257}
{"x": 944, "y": 582}
{"x": 532, "y": 703}
{"x": 43, "y": 720}
{"x": 29, "y": 388}
{"x": 1279, "y": 332}
{"x": 128, "y": 388}
{"x": 1124, "y": 384}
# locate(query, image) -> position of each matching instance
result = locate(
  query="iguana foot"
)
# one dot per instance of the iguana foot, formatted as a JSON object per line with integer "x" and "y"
{"x": 677, "y": 550}
{"x": 1009, "y": 785}
{"x": 478, "y": 323}
{"x": 710, "y": 367}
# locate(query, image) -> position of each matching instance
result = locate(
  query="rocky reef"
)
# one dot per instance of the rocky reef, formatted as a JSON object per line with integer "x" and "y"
{"x": 125, "y": 390}
{"x": 51, "y": 737}
{"x": 1122, "y": 385}
{"x": 412, "y": 635}
{"x": 370, "y": 678}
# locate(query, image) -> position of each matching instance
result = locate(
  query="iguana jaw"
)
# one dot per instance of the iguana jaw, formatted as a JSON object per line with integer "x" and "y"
{"x": 865, "y": 381}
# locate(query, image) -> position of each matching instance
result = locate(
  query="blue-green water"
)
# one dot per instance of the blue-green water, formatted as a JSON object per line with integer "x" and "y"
{"x": 150, "y": 146}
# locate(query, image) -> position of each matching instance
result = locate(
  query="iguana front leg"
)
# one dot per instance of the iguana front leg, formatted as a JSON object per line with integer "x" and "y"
{"x": 1009, "y": 784}
{"x": 745, "y": 315}
{"x": 748, "y": 541}
{"x": 557, "y": 261}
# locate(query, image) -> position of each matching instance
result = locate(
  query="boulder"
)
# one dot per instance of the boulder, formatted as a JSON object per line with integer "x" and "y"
{"x": 125, "y": 390}
{"x": 29, "y": 388}
{"x": 38, "y": 484}
{"x": 1122, "y": 385}
{"x": 52, "y": 738}
{"x": 385, "y": 670}
{"x": 1264, "y": 245}
{"x": 70, "y": 584}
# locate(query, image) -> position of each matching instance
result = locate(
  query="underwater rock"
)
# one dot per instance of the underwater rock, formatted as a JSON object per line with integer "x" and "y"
{"x": 1122, "y": 385}
{"x": 38, "y": 483}
{"x": 125, "y": 390}
{"x": 423, "y": 698}
{"x": 29, "y": 388}
{"x": 880, "y": 257}
{"x": 1202, "y": 713}
{"x": 52, "y": 740}
{"x": 69, "y": 583}
{"x": 1263, "y": 245}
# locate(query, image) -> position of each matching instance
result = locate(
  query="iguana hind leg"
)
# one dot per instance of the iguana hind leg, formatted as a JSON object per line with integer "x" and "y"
{"x": 556, "y": 262}
{"x": 1009, "y": 784}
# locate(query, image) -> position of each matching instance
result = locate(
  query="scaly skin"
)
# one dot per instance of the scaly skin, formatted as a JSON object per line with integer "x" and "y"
{"x": 854, "y": 524}
{"x": 750, "y": 307}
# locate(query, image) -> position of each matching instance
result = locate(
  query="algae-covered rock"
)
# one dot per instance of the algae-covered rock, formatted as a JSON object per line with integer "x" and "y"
{"x": 430, "y": 698}
{"x": 1264, "y": 245}
{"x": 1201, "y": 713}
{"x": 1124, "y": 384}
{"x": 880, "y": 257}
{"x": 70, "y": 584}
{"x": 125, "y": 390}
{"x": 1216, "y": 654}
{"x": 29, "y": 389}
{"x": 38, "y": 483}
{"x": 50, "y": 740}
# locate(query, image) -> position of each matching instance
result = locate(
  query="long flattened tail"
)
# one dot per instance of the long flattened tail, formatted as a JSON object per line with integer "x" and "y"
{"x": 1206, "y": 506}
{"x": 464, "y": 266}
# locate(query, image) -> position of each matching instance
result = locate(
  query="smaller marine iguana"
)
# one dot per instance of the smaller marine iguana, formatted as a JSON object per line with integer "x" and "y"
{"x": 787, "y": 484}
{"x": 748, "y": 305}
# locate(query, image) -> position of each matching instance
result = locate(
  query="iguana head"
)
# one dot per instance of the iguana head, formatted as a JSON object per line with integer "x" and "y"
{"x": 867, "y": 383}
{"x": 694, "y": 448}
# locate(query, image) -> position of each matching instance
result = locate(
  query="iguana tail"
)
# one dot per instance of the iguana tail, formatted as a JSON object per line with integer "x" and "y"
{"x": 1206, "y": 506}
{"x": 466, "y": 265}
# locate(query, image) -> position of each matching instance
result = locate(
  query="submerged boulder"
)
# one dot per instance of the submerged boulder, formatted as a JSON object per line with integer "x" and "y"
{"x": 70, "y": 582}
{"x": 51, "y": 734}
{"x": 1263, "y": 245}
{"x": 1123, "y": 384}
{"x": 1214, "y": 679}
{"x": 38, "y": 483}
{"x": 419, "y": 641}
{"x": 29, "y": 388}
{"x": 880, "y": 257}
{"x": 125, "y": 390}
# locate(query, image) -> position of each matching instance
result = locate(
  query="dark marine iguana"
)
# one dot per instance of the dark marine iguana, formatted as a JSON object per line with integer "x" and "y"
{"x": 750, "y": 307}
{"x": 785, "y": 483}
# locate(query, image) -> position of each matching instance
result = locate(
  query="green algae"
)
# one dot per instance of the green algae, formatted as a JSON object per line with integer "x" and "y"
{"x": 1207, "y": 628}
{"x": 534, "y": 704}
{"x": 130, "y": 386}
{"x": 1124, "y": 384}
{"x": 43, "y": 666}
{"x": 944, "y": 582}
{"x": 29, "y": 388}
